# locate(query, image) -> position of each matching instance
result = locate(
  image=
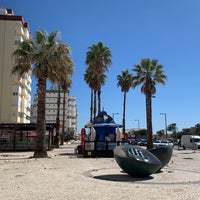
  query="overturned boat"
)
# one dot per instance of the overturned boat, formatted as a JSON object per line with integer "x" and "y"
{"x": 136, "y": 161}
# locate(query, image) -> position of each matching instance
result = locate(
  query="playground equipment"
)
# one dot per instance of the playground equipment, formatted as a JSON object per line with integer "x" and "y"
{"x": 103, "y": 137}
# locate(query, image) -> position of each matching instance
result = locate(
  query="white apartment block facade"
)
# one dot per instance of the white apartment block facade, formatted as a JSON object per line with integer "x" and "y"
{"x": 71, "y": 123}
{"x": 15, "y": 93}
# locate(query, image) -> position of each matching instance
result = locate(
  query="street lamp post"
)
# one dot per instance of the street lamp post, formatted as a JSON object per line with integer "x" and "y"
{"x": 113, "y": 115}
{"x": 165, "y": 115}
{"x": 137, "y": 120}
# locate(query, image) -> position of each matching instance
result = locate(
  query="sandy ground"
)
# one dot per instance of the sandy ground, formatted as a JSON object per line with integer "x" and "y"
{"x": 64, "y": 176}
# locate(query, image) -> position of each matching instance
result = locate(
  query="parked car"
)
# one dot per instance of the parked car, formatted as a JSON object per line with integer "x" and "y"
{"x": 158, "y": 143}
{"x": 133, "y": 141}
{"x": 142, "y": 142}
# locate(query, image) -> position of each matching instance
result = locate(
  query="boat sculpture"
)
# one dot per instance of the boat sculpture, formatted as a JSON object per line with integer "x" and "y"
{"x": 163, "y": 153}
{"x": 136, "y": 161}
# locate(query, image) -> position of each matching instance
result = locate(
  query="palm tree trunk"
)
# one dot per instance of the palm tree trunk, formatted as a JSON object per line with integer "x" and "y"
{"x": 40, "y": 147}
{"x": 58, "y": 119}
{"x": 149, "y": 120}
{"x": 91, "y": 105}
{"x": 124, "y": 114}
{"x": 95, "y": 103}
{"x": 63, "y": 121}
{"x": 99, "y": 100}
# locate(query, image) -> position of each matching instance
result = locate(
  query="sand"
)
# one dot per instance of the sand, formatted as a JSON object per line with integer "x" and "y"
{"x": 64, "y": 176}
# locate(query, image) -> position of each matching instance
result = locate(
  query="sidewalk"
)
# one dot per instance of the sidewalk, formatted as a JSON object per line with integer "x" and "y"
{"x": 65, "y": 176}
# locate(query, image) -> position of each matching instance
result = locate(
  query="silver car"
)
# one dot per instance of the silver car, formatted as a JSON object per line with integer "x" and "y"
{"x": 159, "y": 143}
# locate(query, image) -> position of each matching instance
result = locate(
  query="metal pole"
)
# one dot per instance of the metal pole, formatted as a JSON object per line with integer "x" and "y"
{"x": 113, "y": 115}
{"x": 165, "y": 115}
{"x": 138, "y": 123}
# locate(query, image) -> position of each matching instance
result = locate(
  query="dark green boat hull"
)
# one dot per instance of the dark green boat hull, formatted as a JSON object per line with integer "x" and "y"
{"x": 163, "y": 153}
{"x": 136, "y": 161}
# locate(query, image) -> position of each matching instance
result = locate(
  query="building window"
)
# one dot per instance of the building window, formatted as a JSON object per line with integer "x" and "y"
{"x": 21, "y": 115}
{"x": 17, "y": 42}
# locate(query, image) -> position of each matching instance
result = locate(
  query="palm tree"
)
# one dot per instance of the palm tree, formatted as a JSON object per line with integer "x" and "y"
{"x": 101, "y": 81}
{"x": 61, "y": 76}
{"x": 42, "y": 54}
{"x": 91, "y": 79}
{"x": 148, "y": 74}
{"x": 98, "y": 58}
{"x": 94, "y": 81}
{"x": 66, "y": 84}
{"x": 125, "y": 81}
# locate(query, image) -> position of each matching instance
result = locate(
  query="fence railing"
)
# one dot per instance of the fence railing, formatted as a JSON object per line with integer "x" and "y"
{"x": 100, "y": 148}
{"x": 22, "y": 137}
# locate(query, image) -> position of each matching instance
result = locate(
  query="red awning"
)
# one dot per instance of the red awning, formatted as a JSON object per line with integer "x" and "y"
{"x": 32, "y": 134}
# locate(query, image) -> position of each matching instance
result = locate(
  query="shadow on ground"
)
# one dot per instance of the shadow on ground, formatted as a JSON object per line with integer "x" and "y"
{"x": 67, "y": 154}
{"x": 122, "y": 178}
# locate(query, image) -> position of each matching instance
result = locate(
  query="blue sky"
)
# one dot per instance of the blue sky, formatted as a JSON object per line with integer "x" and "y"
{"x": 133, "y": 29}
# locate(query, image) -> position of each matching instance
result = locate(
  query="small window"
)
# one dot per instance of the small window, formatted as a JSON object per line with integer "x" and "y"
{"x": 17, "y": 42}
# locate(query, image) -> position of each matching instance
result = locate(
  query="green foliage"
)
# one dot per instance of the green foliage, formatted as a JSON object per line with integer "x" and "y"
{"x": 161, "y": 133}
{"x": 172, "y": 127}
{"x": 70, "y": 136}
{"x": 141, "y": 132}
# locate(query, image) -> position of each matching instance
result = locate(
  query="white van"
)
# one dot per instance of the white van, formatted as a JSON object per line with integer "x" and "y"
{"x": 190, "y": 141}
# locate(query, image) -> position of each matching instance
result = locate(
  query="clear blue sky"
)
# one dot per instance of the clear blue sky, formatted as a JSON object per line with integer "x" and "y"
{"x": 133, "y": 29}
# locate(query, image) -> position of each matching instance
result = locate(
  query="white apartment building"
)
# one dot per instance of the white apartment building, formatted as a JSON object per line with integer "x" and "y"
{"x": 15, "y": 93}
{"x": 71, "y": 123}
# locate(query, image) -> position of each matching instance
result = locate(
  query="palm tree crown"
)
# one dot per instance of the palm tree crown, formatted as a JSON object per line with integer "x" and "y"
{"x": 148, "y": 74}
{"x": 98, "y": 58}
{"x": 125, "y": 81}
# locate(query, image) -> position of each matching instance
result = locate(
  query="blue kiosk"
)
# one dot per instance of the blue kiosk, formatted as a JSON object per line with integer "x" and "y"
{"x": 103, "y": 137}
